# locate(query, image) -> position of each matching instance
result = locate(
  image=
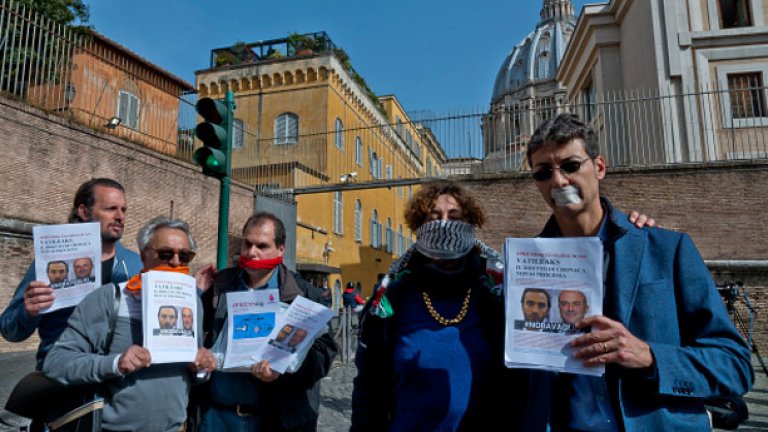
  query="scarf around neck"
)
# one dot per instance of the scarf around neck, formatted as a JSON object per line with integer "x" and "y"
{"x": 134, "y": 283}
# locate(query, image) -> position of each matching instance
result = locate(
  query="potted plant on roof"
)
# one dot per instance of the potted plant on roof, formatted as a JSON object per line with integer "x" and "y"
{"x": 304, "y": 44}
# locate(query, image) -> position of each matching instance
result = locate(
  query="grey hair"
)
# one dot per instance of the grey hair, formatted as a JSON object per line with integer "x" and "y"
{"x": 148, "y": 230}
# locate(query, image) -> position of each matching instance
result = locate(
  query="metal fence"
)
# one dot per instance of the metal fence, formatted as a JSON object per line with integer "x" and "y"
{"x": 85, "y": 77}
{"x": 78, "y": 74}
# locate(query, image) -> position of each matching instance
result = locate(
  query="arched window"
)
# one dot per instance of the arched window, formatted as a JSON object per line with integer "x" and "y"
{"x": 128, "y": 109}
{"x": 400, "y": 241}
{"x": 543, "y": 58}
{"x": 337, "y": 295}
{"x": 390, "y": 237}
{"x": 338, "y": 208}
{"x": 375, "y": 232}
{"x": 358, "y": 221}
{"x": 338, "y": 129}
{"x": 359, "y": 151}
{"x": 287, "y": 128}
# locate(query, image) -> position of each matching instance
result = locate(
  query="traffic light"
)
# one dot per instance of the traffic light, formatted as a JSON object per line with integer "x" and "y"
{"x": 216, "y": 134}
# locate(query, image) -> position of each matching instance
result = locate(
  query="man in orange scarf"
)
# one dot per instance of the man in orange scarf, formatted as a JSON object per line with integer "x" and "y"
{"x": 138, "y": 395}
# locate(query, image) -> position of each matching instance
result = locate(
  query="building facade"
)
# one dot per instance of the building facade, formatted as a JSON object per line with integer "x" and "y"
{"x": 694, "y": 75}
{"x": 104, "y": 85}
{"x": 304, "y": 119}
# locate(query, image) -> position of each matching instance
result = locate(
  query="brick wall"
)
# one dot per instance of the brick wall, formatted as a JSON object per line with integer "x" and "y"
{"x": 45, "y": 159}
{"x": 721, "y": 205}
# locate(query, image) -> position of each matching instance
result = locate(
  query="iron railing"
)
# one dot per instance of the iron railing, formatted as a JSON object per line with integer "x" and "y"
{"x": 87, "y": 78}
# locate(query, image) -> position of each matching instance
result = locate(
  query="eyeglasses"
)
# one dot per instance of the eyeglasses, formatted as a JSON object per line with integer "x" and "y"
{"x": 185, "y": 256}
{"x": 565, "y": 169}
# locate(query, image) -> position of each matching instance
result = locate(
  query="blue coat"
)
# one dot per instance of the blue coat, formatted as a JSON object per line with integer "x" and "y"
{"x": 659, "y": 288}
{"x": 17, "y": 325}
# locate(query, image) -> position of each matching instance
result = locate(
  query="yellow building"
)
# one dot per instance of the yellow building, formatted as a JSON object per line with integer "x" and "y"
{"x": 305, "y": 118}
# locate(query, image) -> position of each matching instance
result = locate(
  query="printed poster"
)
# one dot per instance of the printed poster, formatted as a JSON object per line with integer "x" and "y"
{"x": 293, "y": 335}
{"x": 551, "y": 283}
{"x": 170, "y": 316}
{"x": 251, "y": 318}
{"x": 68, "y": 258}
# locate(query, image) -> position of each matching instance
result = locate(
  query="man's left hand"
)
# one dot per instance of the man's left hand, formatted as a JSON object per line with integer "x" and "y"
{"x": 641, "y": 220}
{"x": 204, "y": 360}
{"x": 611, "y": 342}
{"x": 263, "y": 372}
{"x": 204, "y": 277}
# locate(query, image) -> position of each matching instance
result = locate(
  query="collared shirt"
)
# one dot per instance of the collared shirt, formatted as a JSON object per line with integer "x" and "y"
{"x": 272, "y": 282}
{"x": 590, "y": 405}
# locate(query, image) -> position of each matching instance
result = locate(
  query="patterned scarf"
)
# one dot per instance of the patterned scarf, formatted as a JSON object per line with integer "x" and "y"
{"x": 445, "y": 239}
{"x": 494, "y": 268}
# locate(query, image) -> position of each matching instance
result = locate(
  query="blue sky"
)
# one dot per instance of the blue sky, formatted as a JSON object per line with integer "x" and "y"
{"x": 437, "y": 55}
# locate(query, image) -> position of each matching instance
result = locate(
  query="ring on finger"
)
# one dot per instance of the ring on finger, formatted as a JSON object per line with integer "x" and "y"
{"x": 605, "y": 347}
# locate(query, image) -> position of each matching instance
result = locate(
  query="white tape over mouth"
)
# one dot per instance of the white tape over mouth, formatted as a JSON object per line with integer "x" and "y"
{"x": 565, "y": 196}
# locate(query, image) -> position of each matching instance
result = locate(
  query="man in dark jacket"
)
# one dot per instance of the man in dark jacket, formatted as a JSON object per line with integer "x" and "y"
{"x": 263, "y": 400}
{"x": 351, "y": 297}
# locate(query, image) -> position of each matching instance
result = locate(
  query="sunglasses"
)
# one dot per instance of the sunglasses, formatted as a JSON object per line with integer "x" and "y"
{"x": 185, "y": 256}
{"x": 565, "y": 169}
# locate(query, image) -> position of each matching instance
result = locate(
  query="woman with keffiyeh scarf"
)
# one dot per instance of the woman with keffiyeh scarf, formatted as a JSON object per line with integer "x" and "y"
{"x": 431, "y": 346}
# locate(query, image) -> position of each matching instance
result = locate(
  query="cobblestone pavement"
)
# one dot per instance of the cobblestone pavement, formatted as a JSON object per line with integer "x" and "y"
{"x": 336, "y": 390}
{"x": 336, "y": 401}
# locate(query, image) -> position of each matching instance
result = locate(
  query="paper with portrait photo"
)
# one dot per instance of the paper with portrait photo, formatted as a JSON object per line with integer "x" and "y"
{"x": 68, "y": 258}
{"x": 293, "y": 334}
{"x": 251, "y": 316}
{"x": 550, "y": 284}
{"x": 169, "y": 316}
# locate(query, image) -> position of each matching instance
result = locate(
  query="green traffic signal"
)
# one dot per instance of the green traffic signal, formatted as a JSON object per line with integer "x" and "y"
{"x": 214, "y": 162}
{"x": 215, "y": 133}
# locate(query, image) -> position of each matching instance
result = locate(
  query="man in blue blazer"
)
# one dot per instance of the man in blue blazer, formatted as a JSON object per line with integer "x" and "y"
{"x": 665, "y": 337}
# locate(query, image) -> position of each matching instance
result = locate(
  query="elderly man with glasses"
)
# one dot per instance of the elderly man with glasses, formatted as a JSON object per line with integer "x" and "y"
{"x": 137, "y": 397}
{"x": 665, "y": 336}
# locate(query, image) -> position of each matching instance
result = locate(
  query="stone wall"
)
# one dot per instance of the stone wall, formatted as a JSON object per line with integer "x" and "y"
{"x": 45, "y": 159}
{"x": 721, "y": 205}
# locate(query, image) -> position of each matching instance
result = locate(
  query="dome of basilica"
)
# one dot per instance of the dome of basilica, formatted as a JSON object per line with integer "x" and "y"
{"x": 537, "y": 56}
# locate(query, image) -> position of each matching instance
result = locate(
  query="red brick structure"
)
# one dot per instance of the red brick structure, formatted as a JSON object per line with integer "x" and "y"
{"x": 721, "y": 205}
{"x": 45, "y": 160}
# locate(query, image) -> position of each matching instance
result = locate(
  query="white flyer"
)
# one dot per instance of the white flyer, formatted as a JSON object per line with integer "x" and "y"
{"x": 170, "y": 316}
{"x": 550, "y": 284}
{"x": 251, "y": 316}
{"x": 293, "y": 335}
{"x": 68, "y": 257}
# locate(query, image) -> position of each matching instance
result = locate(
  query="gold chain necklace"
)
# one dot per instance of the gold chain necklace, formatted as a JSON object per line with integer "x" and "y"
{"x": 445, "y": 321}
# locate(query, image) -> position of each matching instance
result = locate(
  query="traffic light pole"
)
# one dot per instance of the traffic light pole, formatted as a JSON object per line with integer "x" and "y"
{"x": 221, "y": 251}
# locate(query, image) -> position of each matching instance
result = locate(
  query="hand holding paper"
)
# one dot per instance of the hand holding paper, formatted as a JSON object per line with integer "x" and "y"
{"x": 611, "y": 342}
{"x": 204, "y": 361}
{"x": 133, "y": 359}
{"x": 37, "y": 297}
{"x": 263, "y": 372}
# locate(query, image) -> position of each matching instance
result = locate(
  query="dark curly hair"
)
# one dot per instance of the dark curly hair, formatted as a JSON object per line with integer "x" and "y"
{"x": 424, "y": 201}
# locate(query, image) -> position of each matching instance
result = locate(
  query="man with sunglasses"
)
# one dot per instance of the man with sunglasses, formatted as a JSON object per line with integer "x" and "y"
{"x": 262, "y": 399}
{"x": 665, "y": 337}
{"x": 99, "y": 200}
{"x": 137, "y": 397}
